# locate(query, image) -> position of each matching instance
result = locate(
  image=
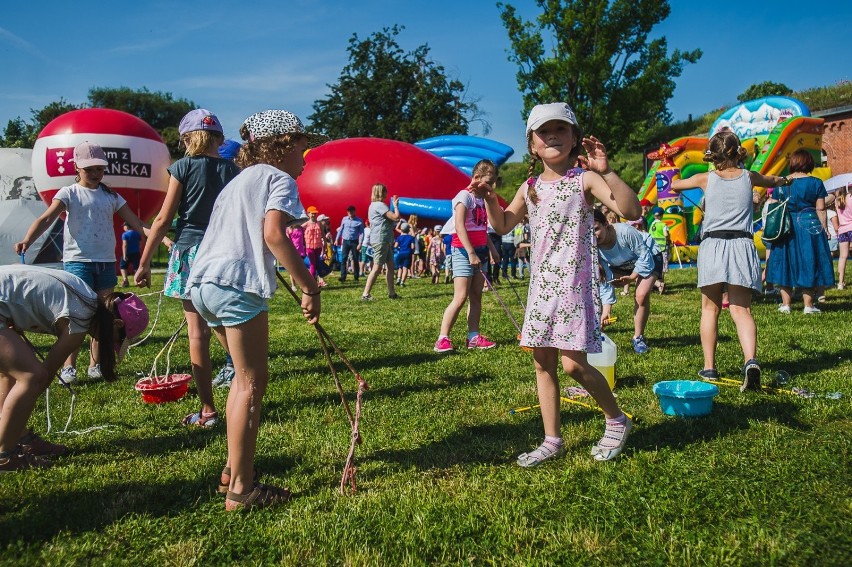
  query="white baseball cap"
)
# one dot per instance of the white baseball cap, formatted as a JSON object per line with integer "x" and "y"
{"x": 542, "y": 113}
{"x": 88, "y": 154}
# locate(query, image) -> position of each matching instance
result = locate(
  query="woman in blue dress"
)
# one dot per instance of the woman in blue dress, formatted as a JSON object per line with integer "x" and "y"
{"x": 802, "y": 259}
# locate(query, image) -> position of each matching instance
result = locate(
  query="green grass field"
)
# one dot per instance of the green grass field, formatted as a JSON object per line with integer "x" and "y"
{"x": 764, "y": 479}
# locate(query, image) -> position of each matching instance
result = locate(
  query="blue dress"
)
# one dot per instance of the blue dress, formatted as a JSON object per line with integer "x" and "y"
{"x": 802, "y": 259}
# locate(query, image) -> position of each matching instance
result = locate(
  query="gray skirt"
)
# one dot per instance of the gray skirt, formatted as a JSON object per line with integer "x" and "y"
{"x": 734, "y": 262}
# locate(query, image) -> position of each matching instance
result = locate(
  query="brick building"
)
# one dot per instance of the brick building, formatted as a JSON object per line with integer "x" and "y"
{"x": 837, "y": 138}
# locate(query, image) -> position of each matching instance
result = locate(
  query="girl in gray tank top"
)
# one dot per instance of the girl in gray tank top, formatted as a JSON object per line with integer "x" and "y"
{"x": 727, "y": 258}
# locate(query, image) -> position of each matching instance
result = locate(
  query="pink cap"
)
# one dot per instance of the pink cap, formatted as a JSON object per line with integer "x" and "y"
{"x": 88, "y": 154}
{"x": 134, "y": 313}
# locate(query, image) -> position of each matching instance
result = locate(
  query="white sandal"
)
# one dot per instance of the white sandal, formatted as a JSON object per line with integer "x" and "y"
{"x": 609, "y": 453}
{"x": 543, "y": 452}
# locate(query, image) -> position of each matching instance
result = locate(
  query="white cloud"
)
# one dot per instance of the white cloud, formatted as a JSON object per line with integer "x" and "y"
{"x": 21, "y": 44}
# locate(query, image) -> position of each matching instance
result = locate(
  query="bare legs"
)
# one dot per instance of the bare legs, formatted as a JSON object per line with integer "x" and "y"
{"x": 22, "y": 380}
{"x": 576, "y": 364}
{"x": 199, "y": 356}
{"x": 740, "y": 307}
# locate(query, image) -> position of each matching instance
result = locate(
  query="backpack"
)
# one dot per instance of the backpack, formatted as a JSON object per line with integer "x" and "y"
{"x": 778, "y": 222}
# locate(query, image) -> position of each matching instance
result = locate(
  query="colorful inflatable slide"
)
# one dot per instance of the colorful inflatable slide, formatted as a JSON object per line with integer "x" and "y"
{"x": 770, "y": 129}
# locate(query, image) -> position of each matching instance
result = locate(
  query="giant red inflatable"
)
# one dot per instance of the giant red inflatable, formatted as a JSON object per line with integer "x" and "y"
{"x": 137, "y": 157}
{"x": 343, "y": 172}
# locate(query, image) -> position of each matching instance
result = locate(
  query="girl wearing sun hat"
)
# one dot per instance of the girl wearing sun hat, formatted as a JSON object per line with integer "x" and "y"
{"x": 54, "y": 302}
{"x": 234, "y": 276}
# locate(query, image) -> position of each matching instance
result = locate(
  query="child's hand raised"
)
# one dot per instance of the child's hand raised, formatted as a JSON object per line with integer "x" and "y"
{"x": 479, "y": 188}
{"x": 596, "y": 159}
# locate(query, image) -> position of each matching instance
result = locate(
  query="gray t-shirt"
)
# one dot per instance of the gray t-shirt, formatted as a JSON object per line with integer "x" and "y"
{"x": 233, "y": 252}
{"x": 89, "y": 234}
{"x": 33, "y": 298}
{"x": 202, "y": 178}
{"x": 381, "y": 227}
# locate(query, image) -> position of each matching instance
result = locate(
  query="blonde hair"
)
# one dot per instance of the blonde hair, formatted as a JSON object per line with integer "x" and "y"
{"x": 724, "y": 150}
{"x": 202, "y": 142}
{"x": 840, "y": 198}
{"x": 534, "y": 159}
{"x": 378, "y": 192}
{"x": 270, "y": 150}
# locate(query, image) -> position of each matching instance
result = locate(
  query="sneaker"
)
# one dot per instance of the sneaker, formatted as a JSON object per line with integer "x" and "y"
{"x": 841, "y": 285}
{"x": 606, "y": 453}
{"x": 784, "y": 309}
{"x": 95, "y": 371}
{"x": 33, "y": 444}
{"x": 708, "y": 374}
{"x": 443, "y": 345}
{"x": 125, "y": 283}
{"x": 367, "y": 297}
{"x": 225, "y": 376}
{"x": 481, "y": 342}
{"x": 639, "y": 345}
{"x": 68, "y": 375}
{"x": 394, "y": 296}
{"x": 20, "y": 461}
{"x": 751, "y": 376}
{"x": 811, "y": 311}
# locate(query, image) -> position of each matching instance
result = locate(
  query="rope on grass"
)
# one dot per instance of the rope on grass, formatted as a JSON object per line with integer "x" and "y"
{"x": 156, "y": 318}
{"x": 497, "y": 295}
{"x": 170, "y": 343}
{"x": 349, "y": 468}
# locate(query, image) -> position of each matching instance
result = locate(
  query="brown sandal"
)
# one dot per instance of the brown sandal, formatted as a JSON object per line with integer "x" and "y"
{"x": 263, "y": 496}
{"x": 223, "y": 486}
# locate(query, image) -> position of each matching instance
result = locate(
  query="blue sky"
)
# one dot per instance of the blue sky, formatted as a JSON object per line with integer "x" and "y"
{"x": 239, "y": 58}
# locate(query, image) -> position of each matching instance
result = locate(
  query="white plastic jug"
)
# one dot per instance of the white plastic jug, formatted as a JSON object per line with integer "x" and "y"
{"x": 604, "y": 361}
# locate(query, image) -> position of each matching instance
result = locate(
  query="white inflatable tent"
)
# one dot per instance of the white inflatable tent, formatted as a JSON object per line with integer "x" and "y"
{"x": 20, "y": 205}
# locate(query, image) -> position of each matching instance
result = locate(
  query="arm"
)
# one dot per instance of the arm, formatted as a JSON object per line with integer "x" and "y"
{"x": 503, "y": 221}
{"x": 159, "y": 228}
{"x": 40, "y": 225}
{"x": 66, "y": 344}
{"x": 123, "y": 249}
{"x": 394, "y": 214}
{"x": 767, "y": 180}
{"x": 275, "y": 237}
{"x": 698, "y": 180}
{"x": 835, "y": 222}
{"x": 458, "y": 215}
{"x": 613, "y": 192}
{"x": 823, "y": 218}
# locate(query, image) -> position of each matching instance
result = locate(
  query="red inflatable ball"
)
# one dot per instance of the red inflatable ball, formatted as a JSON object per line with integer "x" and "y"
{"x": 343, "y": 172}
{"x": 137, "y": 157}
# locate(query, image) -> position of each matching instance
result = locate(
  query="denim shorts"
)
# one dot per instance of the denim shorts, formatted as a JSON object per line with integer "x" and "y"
{"x": 225, "y": 306}
{"x": 98, "y": 275}
{"x": 461, "y": 265}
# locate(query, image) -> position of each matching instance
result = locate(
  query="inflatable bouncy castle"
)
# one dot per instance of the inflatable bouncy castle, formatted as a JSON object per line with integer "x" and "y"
{"x": 769, "y": 128}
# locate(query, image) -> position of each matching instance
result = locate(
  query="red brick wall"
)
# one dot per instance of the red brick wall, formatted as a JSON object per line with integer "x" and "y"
{"x": 837, "y": 142}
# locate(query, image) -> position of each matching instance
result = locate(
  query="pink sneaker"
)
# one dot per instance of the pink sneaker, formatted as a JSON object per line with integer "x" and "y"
{"x": 443, "y": 345}
{"x": 480, "y": 342}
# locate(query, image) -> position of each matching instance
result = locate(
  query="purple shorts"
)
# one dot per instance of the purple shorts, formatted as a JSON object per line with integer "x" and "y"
{"x": 845, "y": 237}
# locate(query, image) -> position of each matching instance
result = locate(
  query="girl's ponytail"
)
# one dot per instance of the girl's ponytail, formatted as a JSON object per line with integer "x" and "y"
{"x": 531, "y": 180}
{"x": 840, "y": 198}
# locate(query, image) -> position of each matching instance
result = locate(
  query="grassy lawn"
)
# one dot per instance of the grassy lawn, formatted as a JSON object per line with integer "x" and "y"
{"x": 764, "y": 479}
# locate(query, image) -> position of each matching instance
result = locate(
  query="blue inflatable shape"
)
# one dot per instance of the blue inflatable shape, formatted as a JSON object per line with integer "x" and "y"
{"x": 454, "y": 147}
{"x": 437, "y": 209}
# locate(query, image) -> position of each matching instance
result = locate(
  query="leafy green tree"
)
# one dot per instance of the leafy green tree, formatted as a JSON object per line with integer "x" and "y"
{"x": 766, "y": 88}
{"x": 20, "y": 134}
{"x": 386, "y": 92}
{"x": 597, "y": 57}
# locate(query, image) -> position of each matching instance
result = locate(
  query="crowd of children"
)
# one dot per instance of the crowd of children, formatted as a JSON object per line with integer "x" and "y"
{"x": 224, "y": 278}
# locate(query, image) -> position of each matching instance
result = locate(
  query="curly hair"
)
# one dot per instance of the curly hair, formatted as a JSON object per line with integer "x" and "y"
{"x": 724, "y": 150}
{"x": 269, "y": 150}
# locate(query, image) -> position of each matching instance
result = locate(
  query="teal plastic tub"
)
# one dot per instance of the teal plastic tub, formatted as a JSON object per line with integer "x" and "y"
{"x": 686, "y": 398}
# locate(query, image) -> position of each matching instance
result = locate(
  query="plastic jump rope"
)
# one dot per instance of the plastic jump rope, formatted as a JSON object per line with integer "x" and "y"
{"x": 349, "y": 468}
{"x": 797, "y": 392}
